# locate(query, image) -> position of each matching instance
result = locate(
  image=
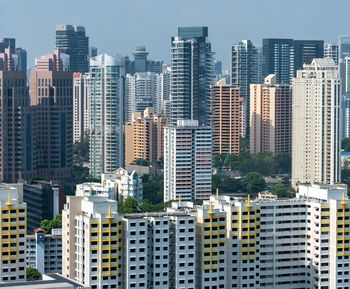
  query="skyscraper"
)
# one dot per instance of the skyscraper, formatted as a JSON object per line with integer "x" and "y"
{"x": 49, "y": 152}
{"x": 140, "y": 92}
{"x": 146, "y": 89}
{"x": 141, "y": 64}
{"x": 332, "y": 51}
{"x": 81, "y": 105}
{"x": 228, "y": 118}
{"x": 344, "y": 46}
{"x": 19, "y": 54}
{"x": 73, "y": 41}
{"x": 270, "y": 117}
{"x": 187, "y": 161}
{"x": 278, "y": 59}
{"x": 192, "y": 75}
{"x": 244, "y": 71}
{"x": 316, "y": 124}
{"x": 106, "y": 114}
{"x": 283, "y": 57}
{"x": 305, "y": 51}
{"x": 14, "y": 101}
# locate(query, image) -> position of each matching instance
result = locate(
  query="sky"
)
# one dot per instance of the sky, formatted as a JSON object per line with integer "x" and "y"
{"x": 116, "y": 26}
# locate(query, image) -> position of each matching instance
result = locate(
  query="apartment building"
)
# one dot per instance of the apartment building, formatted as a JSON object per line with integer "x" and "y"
{"x": 270, "y": 116}
{"x": 44, "y": 251}
{"x": 13, "y": 221}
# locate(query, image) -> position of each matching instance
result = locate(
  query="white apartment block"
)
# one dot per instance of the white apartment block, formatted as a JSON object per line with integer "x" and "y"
{"x": 125, "y": 184}
{"x": 81, "y": 105}
{"x": 44, "y": 251}
{"x": 13, "y": 222}
{"x": 316, "y": 124}
{"x": 91, "y": 242}
{"x": 115, "y": 186}
{"x": 146, "y": 89}
{"x": 187, "y": 161}
{"x": 106, "y": 114}
{"x": 228, "y": 242}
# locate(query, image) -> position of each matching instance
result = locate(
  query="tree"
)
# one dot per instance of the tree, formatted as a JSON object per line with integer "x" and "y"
{"x": 153, "y": 188}
{"x": 81, "y": 150}
{"x": 128, "y": 206}
{"x": 48, "y": 225}
{"x": 33, "y": 274}
{"x": 280, "y": 190}
{"x": 254, "y": 183}
{"x": 140, "y": 162}
{"x": 218, "y": 161}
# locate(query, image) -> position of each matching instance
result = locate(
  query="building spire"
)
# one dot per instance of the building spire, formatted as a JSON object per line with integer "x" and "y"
{"x": 9, "y": 203}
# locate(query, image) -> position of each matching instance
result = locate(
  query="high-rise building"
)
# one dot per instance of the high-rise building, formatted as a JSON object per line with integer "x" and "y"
{"x": 244, "y": 71}
{"x": 344, "y": 46}
{"x": 50, "y": 147}
{"x": 332, "y": 51}
{"x": 187, "y": 161}
{"x": 147, "y": 89}
{"x": 344, "y": 71}
{"x": 144, "y": 137}
{"x": 73, "y": 41}
{"x": 140, "y": 92}
{"x": 81, "y": 106}
{"x": 226, "y": 242}
{"x": 192, "y": 74}
{"x": 92, "y": 51}
{"x": 91, "y": 242}
{"x": 43, "y": 202}
{"x": 19, "y": 54}
{"x": 141, "y": 64}
{"x": 305, "y": 51}
{"x": 44, "y": 251}
{"x": 162, "y": 99}
{"x": 316, "y": 123}
{"x": 106, "y": 114}
{"x": 228, "y": 118}
{"x": 244, "y": 62}
{"x": 278, "y": 59}
{"x": 102, "y": 248}
{"x": 14, "y": 101}
{"x": 13, "y": 221}
{"x": 283, "y": 57}
{"x": 270, "y": 116}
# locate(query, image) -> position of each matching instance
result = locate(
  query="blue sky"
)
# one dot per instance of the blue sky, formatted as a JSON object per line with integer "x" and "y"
{"x": 119, "y": 26}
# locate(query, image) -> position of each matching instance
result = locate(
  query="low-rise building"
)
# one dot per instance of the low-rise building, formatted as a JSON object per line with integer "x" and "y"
{"x": 44, "y": 251}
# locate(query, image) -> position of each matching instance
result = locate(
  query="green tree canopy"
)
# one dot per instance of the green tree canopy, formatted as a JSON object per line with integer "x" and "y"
{"x": 128, "y": 206}
{"x": 280, "y": 190}
{"x": 254, "y": 183}
{"x": 33, "y": 274}
{"x": 48, "y": 225}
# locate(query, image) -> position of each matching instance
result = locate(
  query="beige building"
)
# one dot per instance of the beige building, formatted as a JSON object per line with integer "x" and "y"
{"x": 316, "y": 124}
{"x": 144, "y": 137}
{"x": 270, "y": 116}
{"x": 228, "y": 118}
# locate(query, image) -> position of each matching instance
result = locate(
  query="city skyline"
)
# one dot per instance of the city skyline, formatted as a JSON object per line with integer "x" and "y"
{"x": 234, "y": 20}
